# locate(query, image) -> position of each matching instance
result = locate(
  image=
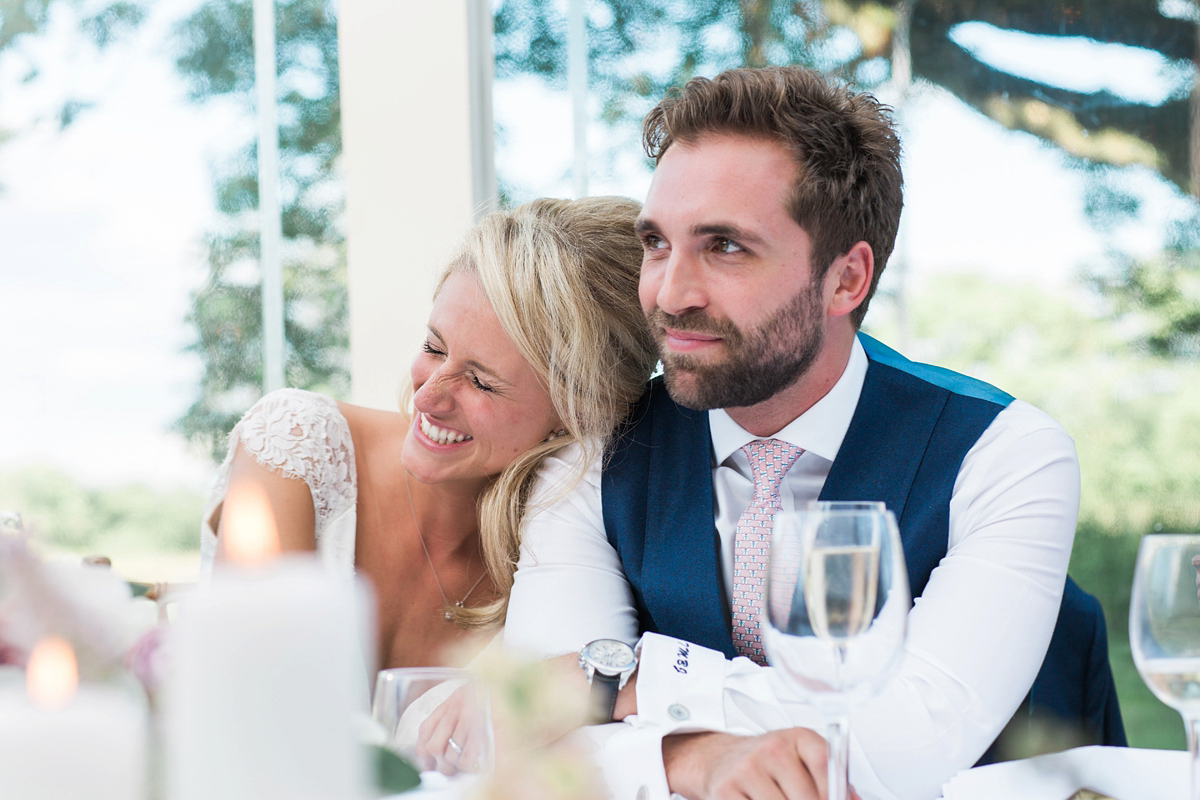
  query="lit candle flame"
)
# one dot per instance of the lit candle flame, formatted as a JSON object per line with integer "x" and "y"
{"x": 248, "y": 527}
{"x": 52, "y": 676}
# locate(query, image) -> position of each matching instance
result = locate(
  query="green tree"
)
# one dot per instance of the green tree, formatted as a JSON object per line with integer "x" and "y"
{"x": 96, "y": 28}
{"x": 1159, "y": 298}
{"x": 640, "y": 48}
{"x": 216, "y": 56}
{"x": 700, "y": 37}
{"x": 1097, "y": 126}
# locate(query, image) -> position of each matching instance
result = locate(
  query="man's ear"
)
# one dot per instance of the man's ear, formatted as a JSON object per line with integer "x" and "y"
{"x": 849, "y": 279}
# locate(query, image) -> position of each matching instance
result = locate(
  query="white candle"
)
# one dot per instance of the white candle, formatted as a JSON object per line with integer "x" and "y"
{"x": 265, "y": 685}
{"x": 68, "y": 743}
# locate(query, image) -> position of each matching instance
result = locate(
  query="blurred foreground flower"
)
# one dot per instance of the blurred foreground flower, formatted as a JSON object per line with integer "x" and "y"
{"x": 89, "y": 607}
{"x": 536, "y": 708}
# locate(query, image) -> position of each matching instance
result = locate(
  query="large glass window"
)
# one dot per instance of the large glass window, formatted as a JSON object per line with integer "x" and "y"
{"x": 106, "y": 198}
{"x": 131, "y": 336}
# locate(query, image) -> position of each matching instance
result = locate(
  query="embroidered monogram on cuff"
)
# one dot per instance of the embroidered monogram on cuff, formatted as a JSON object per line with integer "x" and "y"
{"x": 680, "y": 684}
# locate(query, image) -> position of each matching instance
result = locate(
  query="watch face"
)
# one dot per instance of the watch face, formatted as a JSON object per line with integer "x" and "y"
{"x": 610, "y": 656}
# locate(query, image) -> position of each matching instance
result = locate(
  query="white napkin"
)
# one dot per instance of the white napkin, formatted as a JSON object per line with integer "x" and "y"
{"x": 1123, "y": 773}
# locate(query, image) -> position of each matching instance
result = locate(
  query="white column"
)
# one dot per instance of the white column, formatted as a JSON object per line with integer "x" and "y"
{"x": 417, "y": 139}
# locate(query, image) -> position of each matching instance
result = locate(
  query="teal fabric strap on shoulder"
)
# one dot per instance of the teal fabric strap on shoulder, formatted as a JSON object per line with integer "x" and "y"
{"x": 938, "y": 376}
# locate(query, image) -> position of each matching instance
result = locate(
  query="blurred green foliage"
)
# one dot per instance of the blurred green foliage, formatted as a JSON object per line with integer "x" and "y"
{"x": 63, "y": 513}
{"x": 1102, "y": 564}
{"x": 1133, "y": 414}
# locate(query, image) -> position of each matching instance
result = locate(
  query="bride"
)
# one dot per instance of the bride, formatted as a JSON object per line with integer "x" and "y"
{"x": 535, "y": 341}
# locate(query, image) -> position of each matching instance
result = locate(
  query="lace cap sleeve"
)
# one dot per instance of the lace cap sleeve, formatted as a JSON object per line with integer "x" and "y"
{"x": 302, "y": 435}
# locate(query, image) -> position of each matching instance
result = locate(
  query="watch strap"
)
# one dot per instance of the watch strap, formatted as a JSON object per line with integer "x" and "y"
{"x": 603, "y": 699}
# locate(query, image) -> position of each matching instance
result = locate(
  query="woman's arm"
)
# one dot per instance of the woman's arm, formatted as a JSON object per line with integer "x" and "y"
{"x": 288, "y": 501}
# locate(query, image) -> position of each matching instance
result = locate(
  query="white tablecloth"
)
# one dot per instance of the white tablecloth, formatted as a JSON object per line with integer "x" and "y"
{"x": 1120, "y": 772}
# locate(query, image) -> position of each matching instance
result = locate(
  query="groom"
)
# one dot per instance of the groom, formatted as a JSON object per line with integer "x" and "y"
{"x": 771, "y": 215}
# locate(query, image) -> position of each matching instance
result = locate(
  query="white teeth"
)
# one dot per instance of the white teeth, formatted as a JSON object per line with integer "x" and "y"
{"x": 441, "y": 435}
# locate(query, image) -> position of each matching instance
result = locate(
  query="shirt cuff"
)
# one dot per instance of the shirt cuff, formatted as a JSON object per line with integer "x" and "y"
{"x": 630, "y": 759}
{"x": 680, "y": 685}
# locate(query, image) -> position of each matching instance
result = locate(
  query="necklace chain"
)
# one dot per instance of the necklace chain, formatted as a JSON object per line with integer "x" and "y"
{"x": 420, "y": 536}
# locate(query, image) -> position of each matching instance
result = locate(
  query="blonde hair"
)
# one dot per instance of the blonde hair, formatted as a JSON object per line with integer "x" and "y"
{"x": 562, "y": 276}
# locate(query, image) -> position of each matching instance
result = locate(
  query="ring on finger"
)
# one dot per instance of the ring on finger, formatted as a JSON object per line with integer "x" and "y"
{"x": 455, "y": 746}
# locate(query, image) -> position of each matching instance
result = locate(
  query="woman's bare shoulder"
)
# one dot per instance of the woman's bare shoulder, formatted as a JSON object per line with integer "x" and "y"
{"x": 378, "y": 433}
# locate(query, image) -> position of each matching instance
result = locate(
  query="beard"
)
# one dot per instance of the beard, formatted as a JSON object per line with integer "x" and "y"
{"x": 758, "y": 364}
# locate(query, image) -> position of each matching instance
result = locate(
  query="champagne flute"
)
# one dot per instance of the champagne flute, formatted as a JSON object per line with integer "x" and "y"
{"x": 836, "y": 612}
{"x": 1164, "y": 629}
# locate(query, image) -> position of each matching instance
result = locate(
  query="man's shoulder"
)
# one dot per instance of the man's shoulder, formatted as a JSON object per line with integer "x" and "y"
{"x": 1020, "y": 420}
{"x": 985, "y": 415}
{"x": 880, "y": 355}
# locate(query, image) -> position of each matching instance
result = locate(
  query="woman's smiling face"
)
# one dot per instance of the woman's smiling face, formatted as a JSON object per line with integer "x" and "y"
{"x": 478, "y": 402}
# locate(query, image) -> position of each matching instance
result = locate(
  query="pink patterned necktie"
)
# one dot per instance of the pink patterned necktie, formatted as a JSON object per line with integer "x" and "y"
{"x": 770, "y": 460}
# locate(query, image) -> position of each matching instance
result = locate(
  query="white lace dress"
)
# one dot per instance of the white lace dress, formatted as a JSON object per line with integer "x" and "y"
{"x": 302, "y": 435}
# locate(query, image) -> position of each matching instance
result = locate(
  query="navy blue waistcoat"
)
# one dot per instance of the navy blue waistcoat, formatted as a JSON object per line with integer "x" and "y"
{"x": 906, "y": 441}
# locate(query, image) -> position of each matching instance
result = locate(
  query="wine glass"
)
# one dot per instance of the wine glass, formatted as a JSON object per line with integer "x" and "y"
{"x": 438, "y": 718}
{"x": 1164, "y": 628}
{"x": 836, "y": 612}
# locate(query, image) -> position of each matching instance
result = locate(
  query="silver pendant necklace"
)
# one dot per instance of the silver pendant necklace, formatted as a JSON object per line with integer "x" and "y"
{"x": 425, "y": 548}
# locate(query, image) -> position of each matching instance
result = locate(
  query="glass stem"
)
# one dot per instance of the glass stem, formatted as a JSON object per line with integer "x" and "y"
{"x": 1193, "y": 739}
{"x": 837, "y": 734}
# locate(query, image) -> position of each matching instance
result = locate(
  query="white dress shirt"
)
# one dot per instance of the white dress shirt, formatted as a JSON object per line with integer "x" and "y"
{"x": 977, "y": 634}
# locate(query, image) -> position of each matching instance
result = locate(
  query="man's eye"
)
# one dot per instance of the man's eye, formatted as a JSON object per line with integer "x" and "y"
{"x": 724, "y": 245}
{"x": 652, "y": 242}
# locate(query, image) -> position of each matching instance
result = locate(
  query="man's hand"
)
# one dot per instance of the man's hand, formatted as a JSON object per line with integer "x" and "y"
{"x": 788, "y": 764}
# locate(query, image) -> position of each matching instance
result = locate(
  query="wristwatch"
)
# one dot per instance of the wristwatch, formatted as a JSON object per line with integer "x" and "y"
{"x": 608, "y": 664}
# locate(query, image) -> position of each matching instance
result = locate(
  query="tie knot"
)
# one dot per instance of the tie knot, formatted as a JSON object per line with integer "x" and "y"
{"x": 770, "y": 460}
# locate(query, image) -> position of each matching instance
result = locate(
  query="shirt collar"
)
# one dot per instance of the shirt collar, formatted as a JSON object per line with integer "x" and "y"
{"x": 819, "y": 430}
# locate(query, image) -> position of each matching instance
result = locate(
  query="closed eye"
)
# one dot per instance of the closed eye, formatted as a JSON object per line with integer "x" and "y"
{"x": 480, "y": 385}
{"x": 427, "y": 347}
